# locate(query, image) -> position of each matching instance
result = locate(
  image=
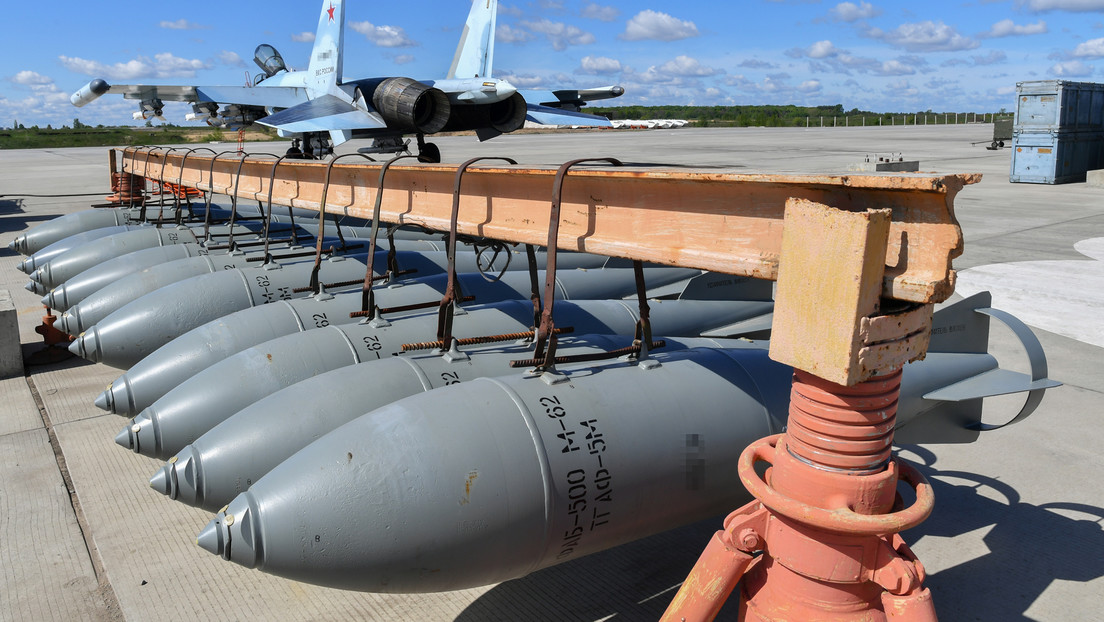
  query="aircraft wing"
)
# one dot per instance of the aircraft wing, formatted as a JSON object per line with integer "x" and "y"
{"x": 323, "y": 114}
{"x": 556, "y": 116}
{"x": 264, "y": 96}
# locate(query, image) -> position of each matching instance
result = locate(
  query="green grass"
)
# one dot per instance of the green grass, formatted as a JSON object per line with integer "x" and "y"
{"x": 35, "y": 138}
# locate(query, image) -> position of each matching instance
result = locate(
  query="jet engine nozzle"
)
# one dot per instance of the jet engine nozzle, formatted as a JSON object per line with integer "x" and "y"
{"x": 89, "y": 92}
{"x": 408, "y": 104}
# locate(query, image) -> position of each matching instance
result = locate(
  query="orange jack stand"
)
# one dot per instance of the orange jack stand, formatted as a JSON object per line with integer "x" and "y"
{"x": 826, "y": 519}
{"x": 54, "y": 341}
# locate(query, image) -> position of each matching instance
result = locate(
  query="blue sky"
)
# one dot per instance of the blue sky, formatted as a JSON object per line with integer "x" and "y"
{"x": 940, "y": 54}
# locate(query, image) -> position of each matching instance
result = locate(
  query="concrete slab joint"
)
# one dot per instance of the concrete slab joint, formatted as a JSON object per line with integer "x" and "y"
{"x": 11, "y": 355}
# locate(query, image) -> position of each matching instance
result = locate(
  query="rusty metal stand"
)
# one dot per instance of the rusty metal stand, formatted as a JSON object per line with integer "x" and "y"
{"x": 55, "y": 343}
{"x": 821, "y": 540}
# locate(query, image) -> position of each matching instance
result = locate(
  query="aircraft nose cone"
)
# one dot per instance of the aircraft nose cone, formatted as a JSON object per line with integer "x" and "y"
{"x": 212, "y": 539}
{"x": 161, "y": 480}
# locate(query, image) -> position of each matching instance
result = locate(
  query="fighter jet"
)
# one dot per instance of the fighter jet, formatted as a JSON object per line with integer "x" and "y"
{"x": 311, "y": 104}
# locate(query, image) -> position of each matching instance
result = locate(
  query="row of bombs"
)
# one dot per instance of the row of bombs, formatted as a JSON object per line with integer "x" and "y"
{"x": 332, "y": 456}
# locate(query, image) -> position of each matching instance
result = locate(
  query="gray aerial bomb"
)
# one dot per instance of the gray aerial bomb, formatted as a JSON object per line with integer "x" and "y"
{"x": 31, "y": 264}
{"x": 140, "y": 327}
{"x": 238, "y": 451}
{"x": 204, "y": 346}
{"x": 96, "y": 306}
{"x": 199, "y": 403}
{"x": 79, "y": 287}
{"x": 492, "y": 479}
{"x": 137, "y": 328}
{"x": 44, "y": 234}
{"x": 81, "y": 258}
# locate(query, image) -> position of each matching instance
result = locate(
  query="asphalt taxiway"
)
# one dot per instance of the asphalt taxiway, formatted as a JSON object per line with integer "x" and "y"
{"x": 1017, "y": 531}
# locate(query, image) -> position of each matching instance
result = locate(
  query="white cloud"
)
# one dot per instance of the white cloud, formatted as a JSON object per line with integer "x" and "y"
{"x": 599, "y": 65}
{"x": 505, "y": 34}
{"x": 231, "y": 58}
{"x": 31, "y": 78}
{"x": 809, "y": 86}
{"x": 821, "y": 49}
{"x": 163, "y": 65}
{"x": 560, "y": 34}
{"x": 686, "y": 66}
{"x": 1071, "y": 69}
{"x": 383, "y": 36}
{"x": 755, "y": 63}
{"x": 512, "y": 11}
{"x": 1040, "y": 6}
{"x": 182, "y": 24}
{"x": 658, "y": 26}
{"x": 850, "y": 12}
{"x": 303, "y": 37}
{"x": 1093, "y": 48}
{"x": 403, "y": 59}
{"x": 1008, "y": 28}
{"x": 926, "y": 36}
{"x": 596, "y": 11}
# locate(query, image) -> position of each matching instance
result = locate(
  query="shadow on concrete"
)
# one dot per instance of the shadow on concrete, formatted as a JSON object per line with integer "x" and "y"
{"x": 1029, "y": 546}
{"x": 635, "y": 581}
{"x": 14, "y": 218}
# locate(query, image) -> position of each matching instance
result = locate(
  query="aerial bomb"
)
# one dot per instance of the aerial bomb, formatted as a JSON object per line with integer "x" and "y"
{"x": 143, "y": 325}
{"x": 204, "y": 346}
{"x": 140, "y": 327}
{"x": 225, "y": 460}
{"x": 106, "y": 300}
{"x": 495, "y": 478}
{"x": 191, "y": 408}
{"x": 422, "y": 257}
{"x": 79, "y": 287}
{"x": 44, "y": 234}
{"x": 40, "y": 258}
{"x": 81, "y": 258}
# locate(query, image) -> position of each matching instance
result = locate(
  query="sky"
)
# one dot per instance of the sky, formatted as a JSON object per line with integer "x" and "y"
{"x": 939, "y": 55}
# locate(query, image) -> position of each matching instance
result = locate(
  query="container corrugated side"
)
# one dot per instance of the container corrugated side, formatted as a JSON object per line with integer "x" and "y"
{"x": 1057, "y": 105}
{"x": 1055, "y": 157}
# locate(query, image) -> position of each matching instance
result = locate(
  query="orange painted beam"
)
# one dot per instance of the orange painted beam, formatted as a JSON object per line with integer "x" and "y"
{"x": 721, "y": 221}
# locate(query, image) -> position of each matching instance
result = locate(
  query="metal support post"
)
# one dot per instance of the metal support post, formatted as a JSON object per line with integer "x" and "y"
{"x": 820, "y": 542}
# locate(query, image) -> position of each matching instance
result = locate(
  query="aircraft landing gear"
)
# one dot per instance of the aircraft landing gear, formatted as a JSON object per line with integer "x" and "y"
{"x": 314, "y": 147}
{"x": 428, "y": 152}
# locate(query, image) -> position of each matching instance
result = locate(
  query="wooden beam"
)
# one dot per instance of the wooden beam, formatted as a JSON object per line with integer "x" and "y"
{"x": 721, "y": 221}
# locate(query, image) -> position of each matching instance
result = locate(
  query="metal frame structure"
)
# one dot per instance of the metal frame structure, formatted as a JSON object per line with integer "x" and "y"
{"x": 859, "y": 261}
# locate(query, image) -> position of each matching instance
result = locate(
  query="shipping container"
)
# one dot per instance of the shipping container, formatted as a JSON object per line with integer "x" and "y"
{"x": 1055, "y": 157}
{"x": 1059, "y": 105}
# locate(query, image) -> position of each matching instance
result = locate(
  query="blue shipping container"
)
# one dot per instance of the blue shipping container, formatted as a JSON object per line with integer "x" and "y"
{"x": 1055, "y": 157}
{"x": 1056, "y": 105}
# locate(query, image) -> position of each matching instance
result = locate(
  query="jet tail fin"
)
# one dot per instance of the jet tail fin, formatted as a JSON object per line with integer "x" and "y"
{"x": 968, "y": 374}
{"x": 325, "y": 62}
{"x": 475, "y": 53}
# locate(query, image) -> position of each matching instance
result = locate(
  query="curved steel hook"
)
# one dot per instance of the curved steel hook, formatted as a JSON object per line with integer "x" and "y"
{"x": 315, "y": 286}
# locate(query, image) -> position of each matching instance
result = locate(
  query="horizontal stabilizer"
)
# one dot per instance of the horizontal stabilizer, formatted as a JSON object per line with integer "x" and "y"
{"x": 323, "y": 114}
{"x": 554, "y": 116}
